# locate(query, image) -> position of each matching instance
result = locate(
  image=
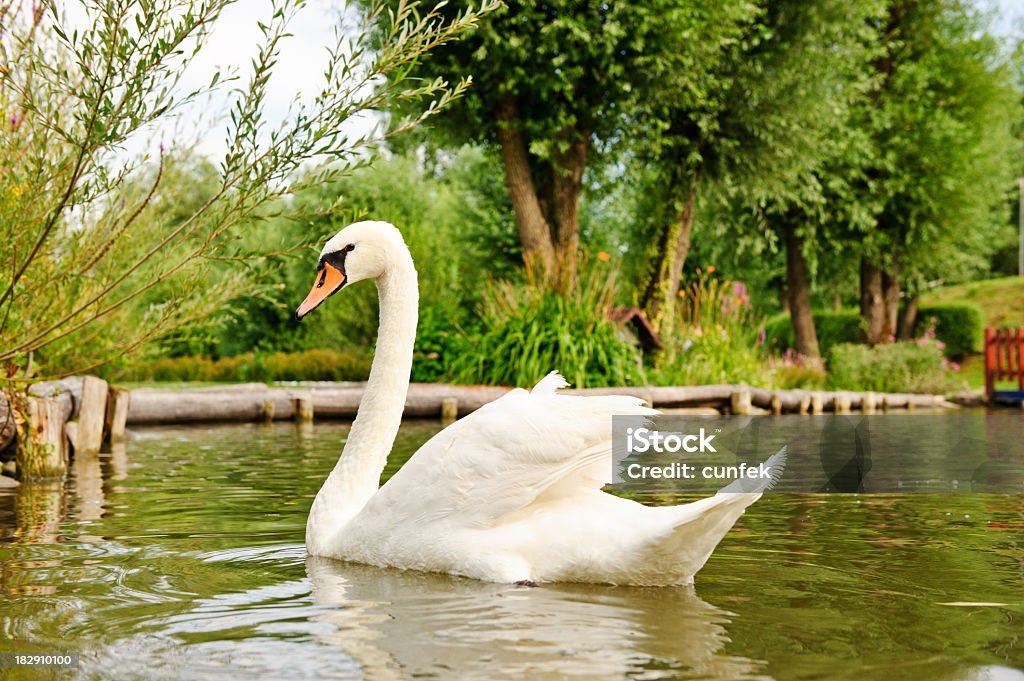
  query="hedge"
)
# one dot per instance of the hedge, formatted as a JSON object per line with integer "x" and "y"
{"x": 960, "y": 325}
{"x": 832, "y": 327}
{"x": 311, "y": 365}
{"x": 908, "y": 366}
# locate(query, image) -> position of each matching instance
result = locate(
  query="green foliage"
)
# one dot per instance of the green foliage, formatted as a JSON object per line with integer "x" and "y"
{"x": 912, "y": 366}
{"x": 311, "y": 365}
{"x": 713, "y": 339}
{"x": 440, "y": 339}
{"x": 527, "y": 331}
{"x": 451, "y": 218}
{"x": 941, "y": 126}
{"x": 101, "y": 256}
{"x": 833, "y": 327}
{"x": 960, "y": 326}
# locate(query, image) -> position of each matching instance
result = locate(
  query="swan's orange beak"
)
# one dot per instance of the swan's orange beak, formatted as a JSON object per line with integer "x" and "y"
{"x": 328, "y": 282}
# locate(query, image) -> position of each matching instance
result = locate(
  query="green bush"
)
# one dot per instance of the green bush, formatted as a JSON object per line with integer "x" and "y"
{"x": 311, "y": 365}
{"x": 714, "y": 337}
{"x": 440, "y": 339}
{"x": 960, "y": 325}
{"x": 832, "y": 327}
{"x": 527, "y": 331}
{"x": 912, "y": 366}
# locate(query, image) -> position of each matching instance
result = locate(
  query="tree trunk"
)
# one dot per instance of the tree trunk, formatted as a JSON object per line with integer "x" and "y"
{"x": 872, "y": 301}
{"x": 909, "y": 320}
{"x": 891, "y": 300}
{"x": 566, "y": 183}
{"x": 799, "y": 285}
{"x": 534, "y": 231}
{"x": 672, "y": 250}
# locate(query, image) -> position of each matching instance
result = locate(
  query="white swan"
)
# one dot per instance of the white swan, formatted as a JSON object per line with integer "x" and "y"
{"x": 511, "y": 492}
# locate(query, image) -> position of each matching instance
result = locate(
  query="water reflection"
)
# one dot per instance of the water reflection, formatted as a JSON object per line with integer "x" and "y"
{"x": 399, "y": 624}
{"x": 180, "y": 557}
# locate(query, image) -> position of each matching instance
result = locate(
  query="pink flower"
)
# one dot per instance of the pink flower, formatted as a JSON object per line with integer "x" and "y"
{"x": 954, "y": 366}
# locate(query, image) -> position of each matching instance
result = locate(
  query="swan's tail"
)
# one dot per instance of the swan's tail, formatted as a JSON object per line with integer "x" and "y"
{"x": 774, "y": 465}
{"x": 675, "y": 553}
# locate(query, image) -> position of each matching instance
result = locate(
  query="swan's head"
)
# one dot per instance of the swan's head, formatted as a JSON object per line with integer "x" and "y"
{"x": 363, "y": 250}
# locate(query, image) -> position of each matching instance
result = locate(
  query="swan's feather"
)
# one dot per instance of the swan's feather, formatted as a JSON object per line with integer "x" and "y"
{"x": 513, "y": 492}
{"x": 506, "y": 455}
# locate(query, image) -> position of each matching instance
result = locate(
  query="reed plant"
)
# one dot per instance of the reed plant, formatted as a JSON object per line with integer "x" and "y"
{"x": 527, "y": 329}
{"x": 713, "y": 336}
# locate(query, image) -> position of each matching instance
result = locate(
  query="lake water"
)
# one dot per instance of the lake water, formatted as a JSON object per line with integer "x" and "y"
{"x": 180, "y": 556}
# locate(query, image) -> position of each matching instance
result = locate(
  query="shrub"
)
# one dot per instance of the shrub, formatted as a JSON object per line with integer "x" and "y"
{"x": 311, "y": 365}
{"x": 832, "y": 327}
{"x": 440, "y": 339}
{"x": 714, "y": 338}
{"x": 527, "y": 331}
{"x": 912, "y": 366}
{"x": 960, "y": 325}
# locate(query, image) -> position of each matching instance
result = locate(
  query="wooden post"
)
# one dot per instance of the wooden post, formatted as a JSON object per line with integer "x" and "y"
{"x": 869, "y": 403}
{"x": 8, "y": 425}
{"x": 118, "y": 402}
{"x": 268, "y": 410}
{"x": 648, "y": 399}
{"x": 1020, "y": 352}
{"x": 841, "y": 404}
{"x": 817, "y": 403}
{"x": 776, "y": 404}
{"x": 990, "y": 362}
{"x": 86, "y": 434}
{"x": 304, "y": 408}
{"x": 44, "y": 453}
{"x": 449, "y": 409}
{"x": 805, "y": 404}
{"x": 739, "y": 402}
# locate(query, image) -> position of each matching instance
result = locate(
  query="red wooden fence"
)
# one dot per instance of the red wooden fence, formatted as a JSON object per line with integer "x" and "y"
{"x": 1004, "y": 357}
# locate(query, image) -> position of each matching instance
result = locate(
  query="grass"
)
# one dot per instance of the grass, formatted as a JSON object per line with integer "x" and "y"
{"x": 1002, "y": 300}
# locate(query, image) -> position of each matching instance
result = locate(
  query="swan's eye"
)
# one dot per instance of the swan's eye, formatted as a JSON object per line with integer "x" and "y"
{"x": 350, "y": 248}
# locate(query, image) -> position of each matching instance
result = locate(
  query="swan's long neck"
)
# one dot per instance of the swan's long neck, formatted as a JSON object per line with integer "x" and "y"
{"x": 356, "y": 476}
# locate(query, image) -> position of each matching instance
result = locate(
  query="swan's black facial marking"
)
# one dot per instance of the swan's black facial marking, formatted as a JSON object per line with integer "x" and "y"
{"x": 337, "y": 260}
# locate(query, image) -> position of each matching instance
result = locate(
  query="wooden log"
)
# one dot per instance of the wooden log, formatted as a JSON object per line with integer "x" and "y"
{"x": 43, "y": 454}
{"x": 776, "y": 404}
{"x": 841, "y": 404}
{"x": 341, "y": 400}
{"x": 449, "y": 409}
{"x": 817, "y": 403}
{"x": 71, "y": 387}
{"x": 268, "y": 410}
{"x": 86, "y": 434}
{"x": 739, "y": 402}
{"x": 869, "y": 403}
{"x": 8, "y": 424}
{"x": 118, "y": 403}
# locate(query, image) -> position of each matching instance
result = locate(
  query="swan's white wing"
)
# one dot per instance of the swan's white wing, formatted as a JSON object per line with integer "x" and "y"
{"x": 519, "y": 449}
